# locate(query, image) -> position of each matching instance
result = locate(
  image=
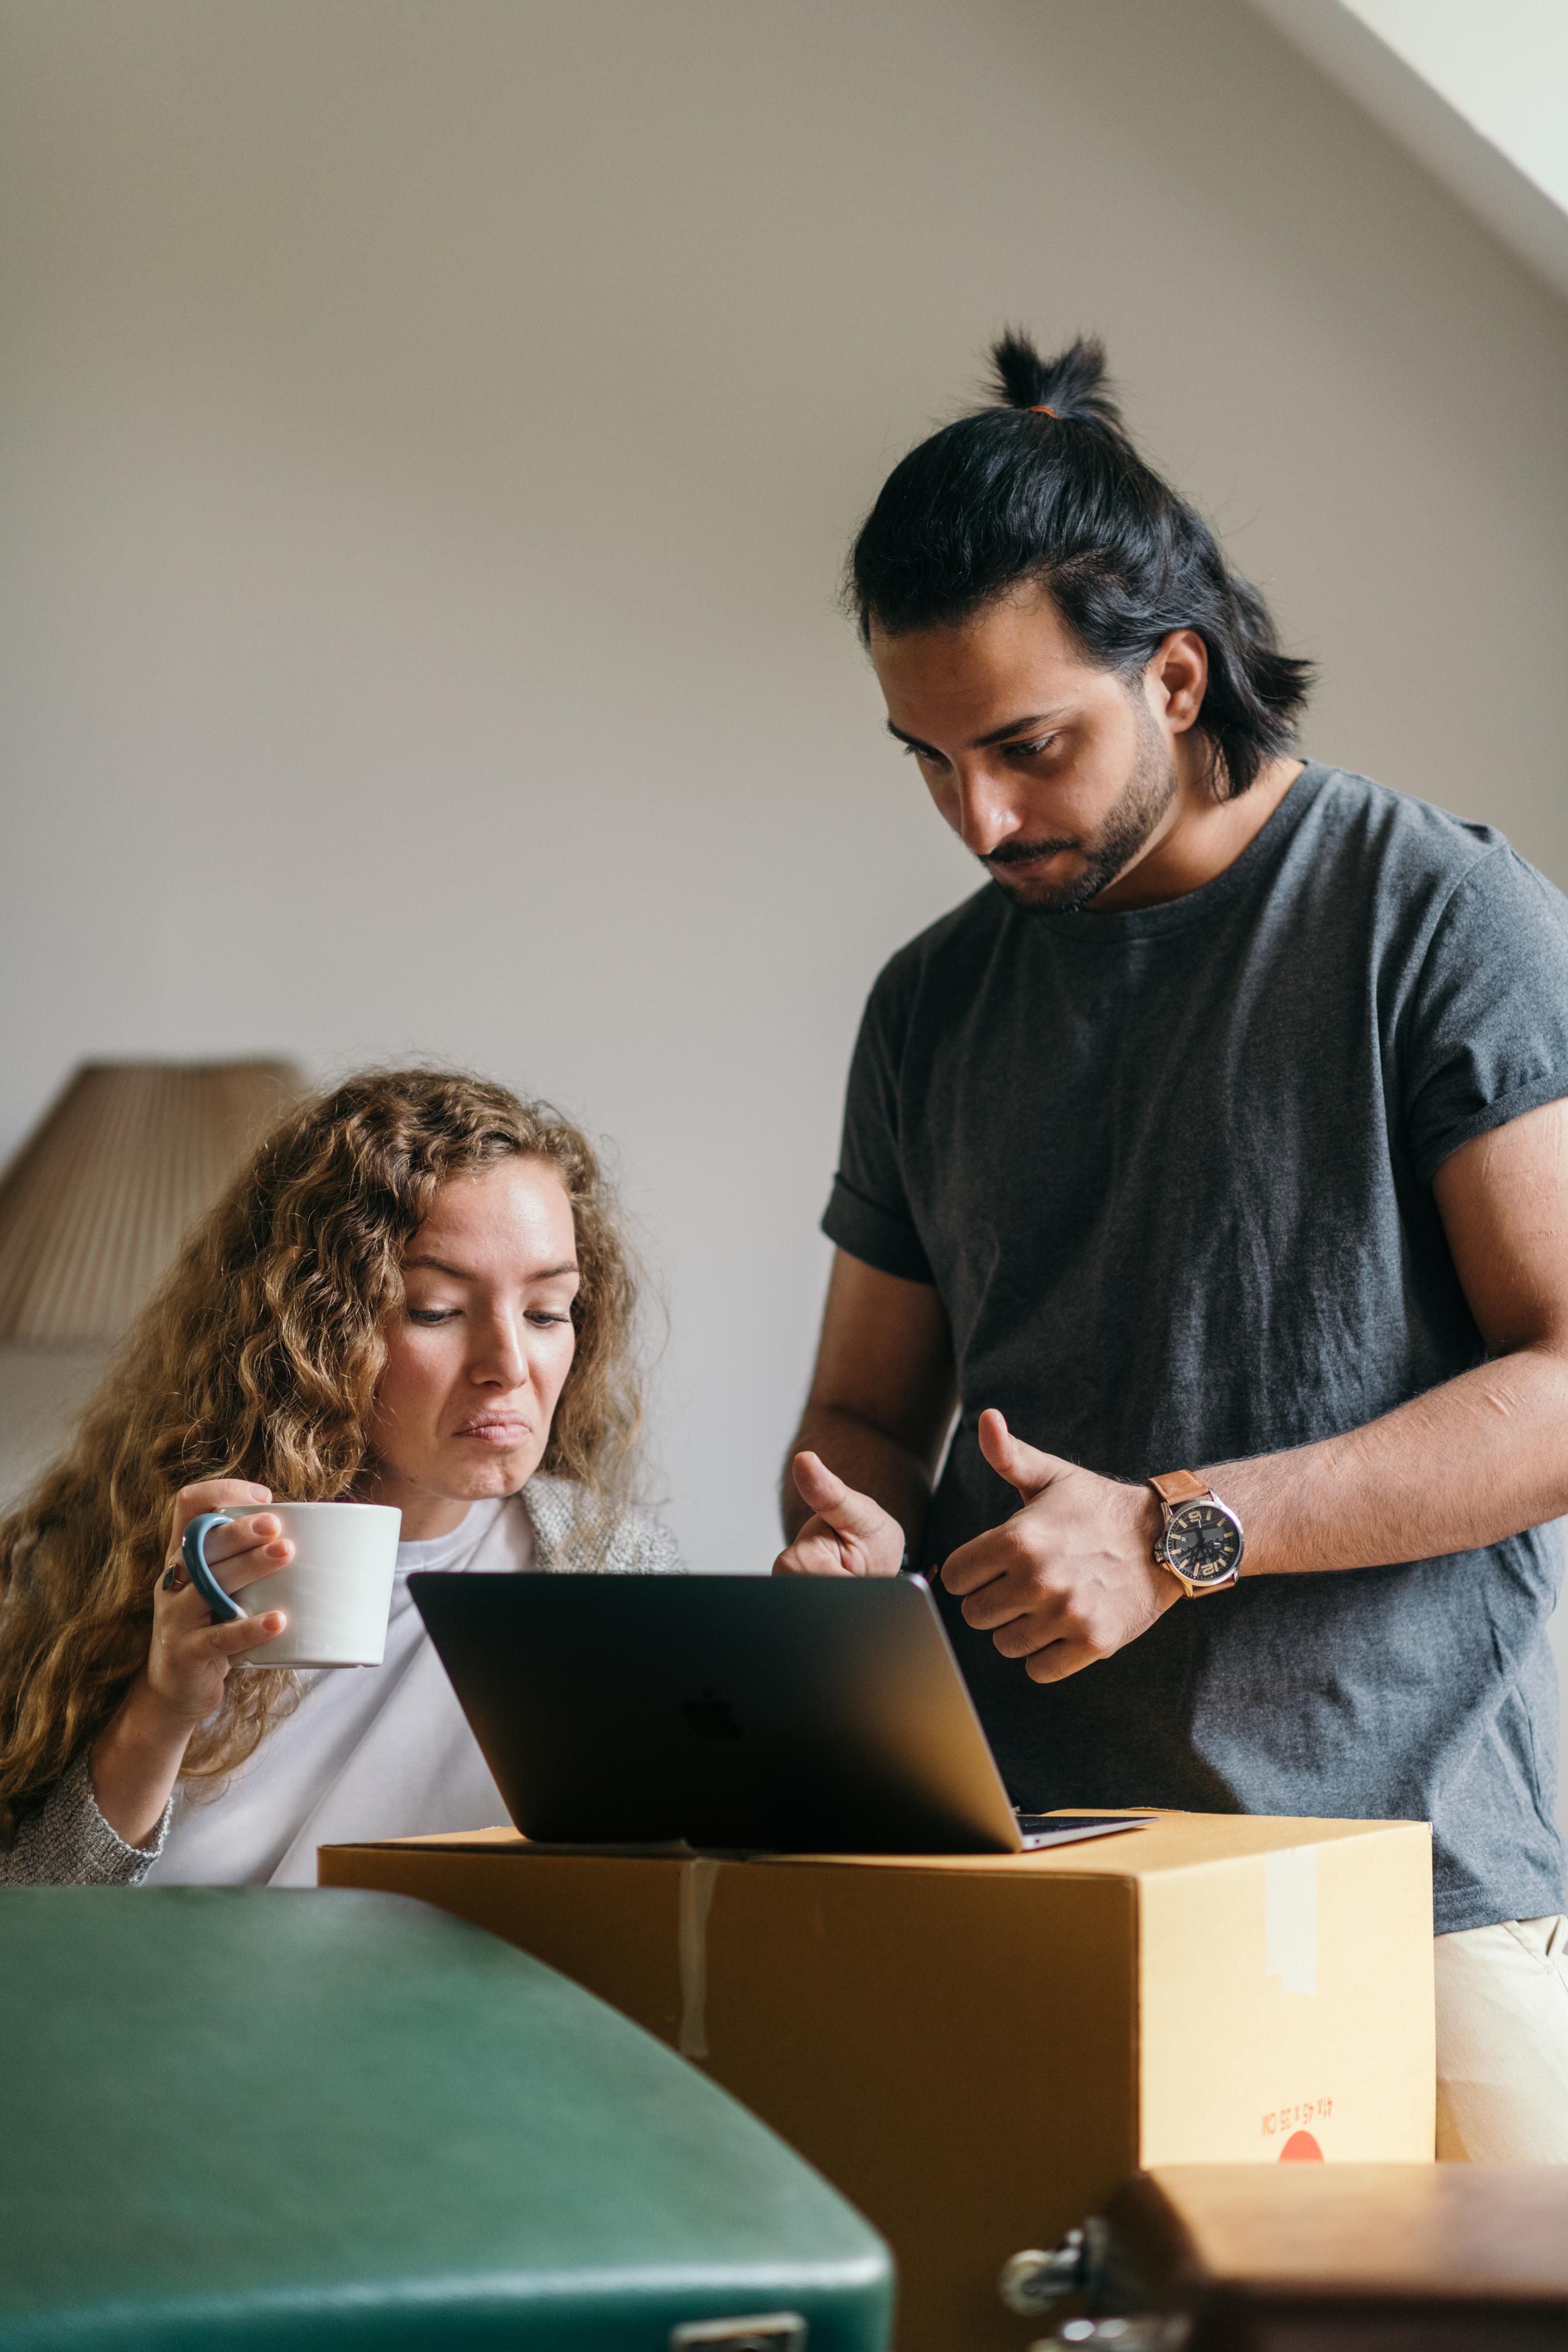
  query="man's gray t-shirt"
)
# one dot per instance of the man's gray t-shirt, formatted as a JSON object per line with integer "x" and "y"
{"x": 1171, "y": 1171}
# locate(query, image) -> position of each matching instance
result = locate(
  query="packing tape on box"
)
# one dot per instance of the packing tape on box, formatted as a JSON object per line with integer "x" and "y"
{"x": 1290, "y": 1917}
{"x": 697, "y": 1882}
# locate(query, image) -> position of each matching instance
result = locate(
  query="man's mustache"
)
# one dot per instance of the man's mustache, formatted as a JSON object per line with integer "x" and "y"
{"x": 1022, "y": 853}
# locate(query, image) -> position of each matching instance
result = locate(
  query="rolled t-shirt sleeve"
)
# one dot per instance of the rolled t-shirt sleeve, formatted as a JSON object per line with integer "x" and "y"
{"x": 869, "y": 1212}
{"x": 1486, "y": 1026}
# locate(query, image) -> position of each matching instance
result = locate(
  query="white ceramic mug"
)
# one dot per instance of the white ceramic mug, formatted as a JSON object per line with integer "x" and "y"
{"x": 335, "y": 1593}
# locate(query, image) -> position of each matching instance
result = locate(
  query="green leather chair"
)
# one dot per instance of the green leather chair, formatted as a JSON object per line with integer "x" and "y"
{"x": 251, "y": 2119}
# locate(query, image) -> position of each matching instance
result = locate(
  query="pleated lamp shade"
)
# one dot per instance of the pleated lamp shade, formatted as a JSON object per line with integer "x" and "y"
{"x": 97, "y": 1200}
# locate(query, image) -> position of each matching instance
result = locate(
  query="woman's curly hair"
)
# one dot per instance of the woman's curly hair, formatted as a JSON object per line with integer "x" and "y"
{"x": 258, "y": 1359}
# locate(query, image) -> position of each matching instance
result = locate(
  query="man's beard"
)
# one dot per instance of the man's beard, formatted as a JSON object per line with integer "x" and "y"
{"x": 1149, "y": 791}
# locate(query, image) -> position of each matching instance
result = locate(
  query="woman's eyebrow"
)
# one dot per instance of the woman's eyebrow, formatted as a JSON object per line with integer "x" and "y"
{"x": 467, "y": 1273}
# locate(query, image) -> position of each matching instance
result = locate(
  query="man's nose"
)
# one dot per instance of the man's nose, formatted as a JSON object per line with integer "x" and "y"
{"x": 986, "y": 816}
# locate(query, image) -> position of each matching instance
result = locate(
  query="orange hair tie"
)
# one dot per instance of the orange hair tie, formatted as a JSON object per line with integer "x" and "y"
{"x": 1040, "y": 409}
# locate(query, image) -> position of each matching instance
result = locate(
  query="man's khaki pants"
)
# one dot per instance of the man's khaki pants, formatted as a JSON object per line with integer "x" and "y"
{"x": 1503, "y": 2043}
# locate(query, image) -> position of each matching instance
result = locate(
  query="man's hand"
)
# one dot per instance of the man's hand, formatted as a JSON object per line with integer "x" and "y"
{"x": 1070, "y": 1577}
{"x": 847, "y": 1534}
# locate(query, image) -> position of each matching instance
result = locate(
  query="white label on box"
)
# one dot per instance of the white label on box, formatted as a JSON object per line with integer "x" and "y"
{"x": 1290, "y": 1917}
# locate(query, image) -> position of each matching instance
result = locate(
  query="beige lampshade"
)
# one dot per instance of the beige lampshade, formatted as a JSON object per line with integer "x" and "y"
{"x": 99, "y": 1198}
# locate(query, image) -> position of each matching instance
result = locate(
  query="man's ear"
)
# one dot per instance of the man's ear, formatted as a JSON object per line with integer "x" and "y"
{"x": 1178, "y": 678}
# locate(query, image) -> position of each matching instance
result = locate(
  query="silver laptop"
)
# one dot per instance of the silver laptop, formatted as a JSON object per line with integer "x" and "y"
{"x": 730, "y": 1714}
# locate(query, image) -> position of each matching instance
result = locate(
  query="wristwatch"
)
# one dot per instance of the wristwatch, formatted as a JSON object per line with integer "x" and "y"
{"x": 1201, "y": 1543}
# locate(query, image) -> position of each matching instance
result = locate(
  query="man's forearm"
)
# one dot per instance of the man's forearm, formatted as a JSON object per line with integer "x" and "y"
{"x": 866, "y": 1458}
{"x": 1479, "y": 1458}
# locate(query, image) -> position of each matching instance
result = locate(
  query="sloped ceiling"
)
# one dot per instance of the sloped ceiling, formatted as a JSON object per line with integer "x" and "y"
{"x": 1478, "y": 93}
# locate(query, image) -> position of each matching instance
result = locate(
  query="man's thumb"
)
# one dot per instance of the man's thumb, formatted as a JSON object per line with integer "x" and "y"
{"x": 1023, "y": 1467}
{"x": 846, "y": 1512}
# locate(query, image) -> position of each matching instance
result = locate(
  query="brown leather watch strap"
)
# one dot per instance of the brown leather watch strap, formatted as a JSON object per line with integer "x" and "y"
{"x": 1175, "y": 1486}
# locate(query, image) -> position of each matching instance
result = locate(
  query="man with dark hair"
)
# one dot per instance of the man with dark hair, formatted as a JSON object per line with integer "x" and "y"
{"x": 1212, "y": 1165}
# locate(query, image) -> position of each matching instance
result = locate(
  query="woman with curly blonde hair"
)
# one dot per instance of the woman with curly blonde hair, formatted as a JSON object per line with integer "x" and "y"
{"x": 414, "y": 1294}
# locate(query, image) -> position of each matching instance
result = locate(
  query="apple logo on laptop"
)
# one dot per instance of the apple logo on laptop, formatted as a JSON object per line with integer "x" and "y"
{"x": 713, "y": 1718}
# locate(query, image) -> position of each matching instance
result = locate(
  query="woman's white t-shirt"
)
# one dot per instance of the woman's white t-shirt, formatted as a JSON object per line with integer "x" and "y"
{"x": 369, "y": 1752}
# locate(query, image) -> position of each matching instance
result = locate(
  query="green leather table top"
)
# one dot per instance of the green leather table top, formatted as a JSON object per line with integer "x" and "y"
{"x": 267, "y": 2118}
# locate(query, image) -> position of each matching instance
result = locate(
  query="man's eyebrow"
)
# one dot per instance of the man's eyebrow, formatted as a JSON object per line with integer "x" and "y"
{"x": 467, "y": 1273}
{"x": 984, "y": 743}
{"x": 1015, "y": 727}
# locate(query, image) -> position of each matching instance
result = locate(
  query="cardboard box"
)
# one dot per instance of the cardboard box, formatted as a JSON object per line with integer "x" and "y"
{"x": 976, "y": 2050}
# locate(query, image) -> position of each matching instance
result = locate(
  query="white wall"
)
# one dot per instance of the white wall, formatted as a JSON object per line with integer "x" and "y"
{"x": 430, "y": 436}
{"x": 1478, "y": 96}
{"x": 1504, "y": 68}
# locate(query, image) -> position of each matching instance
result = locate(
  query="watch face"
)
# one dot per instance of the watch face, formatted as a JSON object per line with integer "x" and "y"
{"x": 1204, "y": 1542}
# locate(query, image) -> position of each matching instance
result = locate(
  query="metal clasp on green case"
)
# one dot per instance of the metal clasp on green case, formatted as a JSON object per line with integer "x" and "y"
{"x": 767, "y": 2331}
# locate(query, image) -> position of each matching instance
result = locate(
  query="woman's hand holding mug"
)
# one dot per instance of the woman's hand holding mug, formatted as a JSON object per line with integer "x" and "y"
{"x": 188, "y": 1662}
{"x": 846, "y": 1534}
{"x": 137, "y": 1757}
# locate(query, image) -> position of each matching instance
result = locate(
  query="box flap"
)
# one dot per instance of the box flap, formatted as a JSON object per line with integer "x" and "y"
{"x": 1176, "y": 1842}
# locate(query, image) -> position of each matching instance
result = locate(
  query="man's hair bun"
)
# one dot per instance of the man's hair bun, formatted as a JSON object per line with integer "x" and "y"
{"x": 1065, "y": 502}
{"x": 1074, "y": 384}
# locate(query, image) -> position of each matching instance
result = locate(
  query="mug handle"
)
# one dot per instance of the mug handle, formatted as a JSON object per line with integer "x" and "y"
{"x": 193, "y": 1552}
